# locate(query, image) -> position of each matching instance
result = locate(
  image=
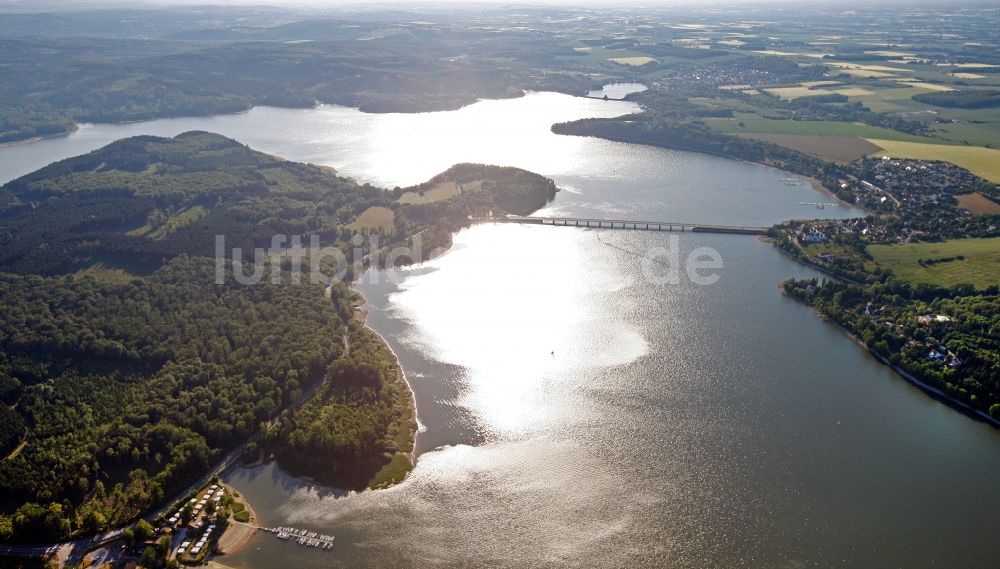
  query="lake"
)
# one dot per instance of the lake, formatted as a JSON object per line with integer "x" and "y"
{"x": 576, "y": 412}
{"x": 617, "y": 90}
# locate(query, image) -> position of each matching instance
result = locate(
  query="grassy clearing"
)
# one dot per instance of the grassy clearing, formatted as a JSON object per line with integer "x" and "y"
{"x": 178, "y": 220}
{"x": 984, "y": 162}
{"x": 440, "y": 192}
{"x": 978, "y": 203}
{"x": 115, "y": 270}
{"x": 13, "y": 454}
{"x": 374, "y": 218}
{"x": 393, "y": 472}
{"x": 980, "y": 266}
{"x": 105, "y": 273}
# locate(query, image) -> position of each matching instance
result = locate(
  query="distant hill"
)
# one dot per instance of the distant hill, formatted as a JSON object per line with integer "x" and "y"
{"x": 141, "y": 200}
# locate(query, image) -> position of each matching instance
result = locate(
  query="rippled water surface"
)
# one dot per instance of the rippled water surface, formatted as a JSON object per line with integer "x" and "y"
{"x": 574, "y": 412}
{"x": 578, "y": 415}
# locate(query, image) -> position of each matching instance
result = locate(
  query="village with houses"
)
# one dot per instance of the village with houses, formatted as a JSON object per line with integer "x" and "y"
{"x": 916, "y": 279}
{"x": 908, "y": 201}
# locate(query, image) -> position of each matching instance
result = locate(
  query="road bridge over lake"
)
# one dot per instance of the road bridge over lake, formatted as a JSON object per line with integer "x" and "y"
{"x": 634, "y": 225}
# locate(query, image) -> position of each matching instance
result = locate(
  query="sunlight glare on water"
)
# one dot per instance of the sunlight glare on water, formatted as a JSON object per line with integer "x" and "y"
{"x": 401, "y": 149}
{"x": 475, "y": 315}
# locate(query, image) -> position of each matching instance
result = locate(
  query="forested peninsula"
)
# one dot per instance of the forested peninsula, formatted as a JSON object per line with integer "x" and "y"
{"x": 126, "y": 370}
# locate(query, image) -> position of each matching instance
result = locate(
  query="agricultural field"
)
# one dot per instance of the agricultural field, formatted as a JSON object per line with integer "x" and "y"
{"x": 633, "y": 61}
{"x": 867, "y": 73}
{"x": 757, "y": 125}
{"x": 796, "y": 92}
{"x": 984, "y": 162}
{"x": 930, "y": 86}
{"x": 847, "y": 67}
{"x": 895, "y": 97}
{"x": 832, "y": 148}
{"x": 978, "y": 203}
{"x": 852, "y": 91}
{"x": 957, "y": 261}
{"x": 791, "y": 53}
{"x": 979, "y": 127}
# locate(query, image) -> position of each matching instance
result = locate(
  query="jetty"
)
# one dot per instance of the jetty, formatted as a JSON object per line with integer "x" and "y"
{"x": 634, "y": 225}
{"x": 303, "y": 537}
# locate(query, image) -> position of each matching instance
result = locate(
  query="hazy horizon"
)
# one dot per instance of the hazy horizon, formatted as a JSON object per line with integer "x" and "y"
{"x": 73, "y": 5}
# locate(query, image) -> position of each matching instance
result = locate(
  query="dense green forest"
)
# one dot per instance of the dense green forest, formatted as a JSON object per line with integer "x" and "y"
{"x": 356, "y": 420}
{"x": 126, "y": 368}
{"x": 131, "y": 390}
{"x": 980, "y": 99}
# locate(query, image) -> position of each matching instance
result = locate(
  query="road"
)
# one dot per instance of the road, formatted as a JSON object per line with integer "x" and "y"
{"x": 70, "y": 552}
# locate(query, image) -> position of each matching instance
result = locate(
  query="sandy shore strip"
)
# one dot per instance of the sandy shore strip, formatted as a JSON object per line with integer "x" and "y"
{"x": 238, "y": 534}
{"x": 819, "y": 187}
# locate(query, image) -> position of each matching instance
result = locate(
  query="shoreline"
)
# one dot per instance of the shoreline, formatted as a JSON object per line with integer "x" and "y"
{"x": 363, "y": 317}
{"x": 241, "y": 540}
{"x": 35, "y": 139}
{"x": 819, "y": 187}
{"x": 315, "y": 105}
{"x": 806, "y": 263}
{"x": 239, "y": 533}
{"x": 934, "y": 392}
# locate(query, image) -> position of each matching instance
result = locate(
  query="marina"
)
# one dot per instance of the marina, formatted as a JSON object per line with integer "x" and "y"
{"x": 303, "y": 537}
